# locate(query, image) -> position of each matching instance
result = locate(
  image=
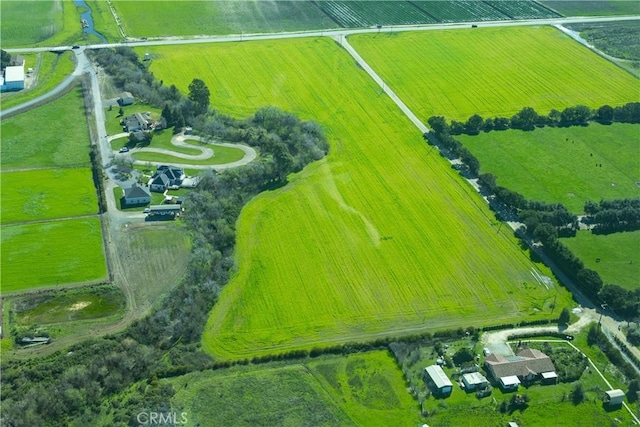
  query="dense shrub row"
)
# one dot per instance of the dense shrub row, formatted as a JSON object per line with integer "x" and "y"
{"x": 598, "y": 338}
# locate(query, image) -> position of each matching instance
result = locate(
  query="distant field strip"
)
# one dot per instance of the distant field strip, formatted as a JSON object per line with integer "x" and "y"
{"x": 52, "y": 253}
{"x": 616, "y": 256}
{"x": 47, "y": 194}
{"x": 381, "y": 235}
{"x": 456, "y": 11}
{"x": 522, "y": 9}
{"x": 365, "y": 13}
{"x": 28, "y": 22}
{"x": 563, "y": 165}
{"x": 493, "y": 71}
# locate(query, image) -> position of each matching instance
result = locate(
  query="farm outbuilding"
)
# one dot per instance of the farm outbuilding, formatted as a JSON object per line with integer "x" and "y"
{"x": 474, "y": 380}
{"x": 126, "y": 98}
{"x": 614, "y": 397}
{"x": 437, "y": 379}
{"x": 13, "y": 78}
{"x": 165, "y": 211}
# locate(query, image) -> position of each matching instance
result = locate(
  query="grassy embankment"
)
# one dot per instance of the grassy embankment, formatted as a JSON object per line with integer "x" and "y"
{"x": 493, "y": 71}
{"x": 618, "y": 255}
{"x": 563, "y": 165}
{"x": 253, "y": 16}
{"x": 45, "y": 176}
{"x": 380, "y": 238}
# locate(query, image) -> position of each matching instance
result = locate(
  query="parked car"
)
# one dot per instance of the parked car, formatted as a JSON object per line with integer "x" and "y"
{"x": 75, "y": 46}
{"x": 147, "y": 210}
{"x": 124, "y": 150}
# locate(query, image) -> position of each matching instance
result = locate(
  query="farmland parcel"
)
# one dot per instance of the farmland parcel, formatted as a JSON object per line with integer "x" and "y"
{"x": 493, "y": 72}
{"x": 33, "y": 262}
{"x": 380, "y": 236}
{"x": 567, "y": 165}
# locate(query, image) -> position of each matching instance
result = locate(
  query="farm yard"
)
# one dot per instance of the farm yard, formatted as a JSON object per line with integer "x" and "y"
{"x": 52, "y": 69}
{"x": 362, "y": 389}
{"x": 616, "y": 256}
{"x": 364, "y": 242}
{"x": 563, "y": 165}
{"x": 493, "y": 72}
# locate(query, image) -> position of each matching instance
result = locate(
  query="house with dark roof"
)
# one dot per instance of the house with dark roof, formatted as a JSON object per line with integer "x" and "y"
{"x": 166, "y": 176}
{"x": 136, "y": 195}
{"x": 526, "y": 366}
{"x": 159, "y": 183}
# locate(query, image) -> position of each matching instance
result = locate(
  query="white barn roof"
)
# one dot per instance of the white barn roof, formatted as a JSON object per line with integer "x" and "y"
{"x": 438, "y": 376}
{"x": 615, "y": 393}
{"x": 14, "y": 74}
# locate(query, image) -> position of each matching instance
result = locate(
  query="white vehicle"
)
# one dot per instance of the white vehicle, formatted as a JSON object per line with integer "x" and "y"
{"x": 124, "y": 150}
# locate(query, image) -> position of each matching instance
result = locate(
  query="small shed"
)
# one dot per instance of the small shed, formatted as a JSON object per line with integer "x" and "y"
{"x": 126, "y": 98}
{"x": 509, "y": 383}
{"x": 614, "y": 397}
{"x": 549, "y": 378}
{"x": 474, "y": 380}
{"x": 436, "y": 378}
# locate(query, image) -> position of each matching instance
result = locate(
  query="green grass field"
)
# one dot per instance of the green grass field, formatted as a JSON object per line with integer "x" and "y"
{"x": 493, "y": 71}
{"x": 160, "y": 139}
{"x": 590, "y": 7}
{"x": 619, "y": 255}
{"x": 562, "y": 164}
{"x": 381, "y": 236}
{"x": 71, "y": 253}
{"x": 64, "y": 141}
{"x": 40, "y": 23}
{"x": 47, "y": 194}
{"x": 53, "y": 69}
{"x": 363, "y": 389}
{"x": 221, "y": 156}
{"x": 70, "y": 305}
{"x": 29, "y": 22}
{"x": 219, "y": 17}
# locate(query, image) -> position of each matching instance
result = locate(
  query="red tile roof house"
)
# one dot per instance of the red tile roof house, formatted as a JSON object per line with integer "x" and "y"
{"x": 527, "y": 366}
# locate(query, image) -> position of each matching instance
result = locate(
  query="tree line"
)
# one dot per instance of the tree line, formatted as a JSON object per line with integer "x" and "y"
{"x": 528, "y": 119}
{"x": 610, "y": 216}
{"x": 546, "y": 222}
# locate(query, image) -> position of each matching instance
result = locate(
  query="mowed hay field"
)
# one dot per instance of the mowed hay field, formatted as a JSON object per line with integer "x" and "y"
{"x": 619, "y": 255}
{"x": 39, "y": 194}
{"x": 563, "y": 165}
{"x": 52, "y": 253}
{"x": 382, "y": 236}
{"x": 362, "y": 389}
{"x": 183, "y": 18}
{"x": 493, "y": 71}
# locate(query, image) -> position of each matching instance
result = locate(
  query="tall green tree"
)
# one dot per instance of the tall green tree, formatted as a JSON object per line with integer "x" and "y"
{"x": 6, "y": 58}
{"x": 199, "y": 94}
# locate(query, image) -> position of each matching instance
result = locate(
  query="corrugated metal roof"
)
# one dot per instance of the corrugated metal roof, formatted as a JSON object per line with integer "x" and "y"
{"x": 438, "y": 376}
{"x": 14, "y": 74}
